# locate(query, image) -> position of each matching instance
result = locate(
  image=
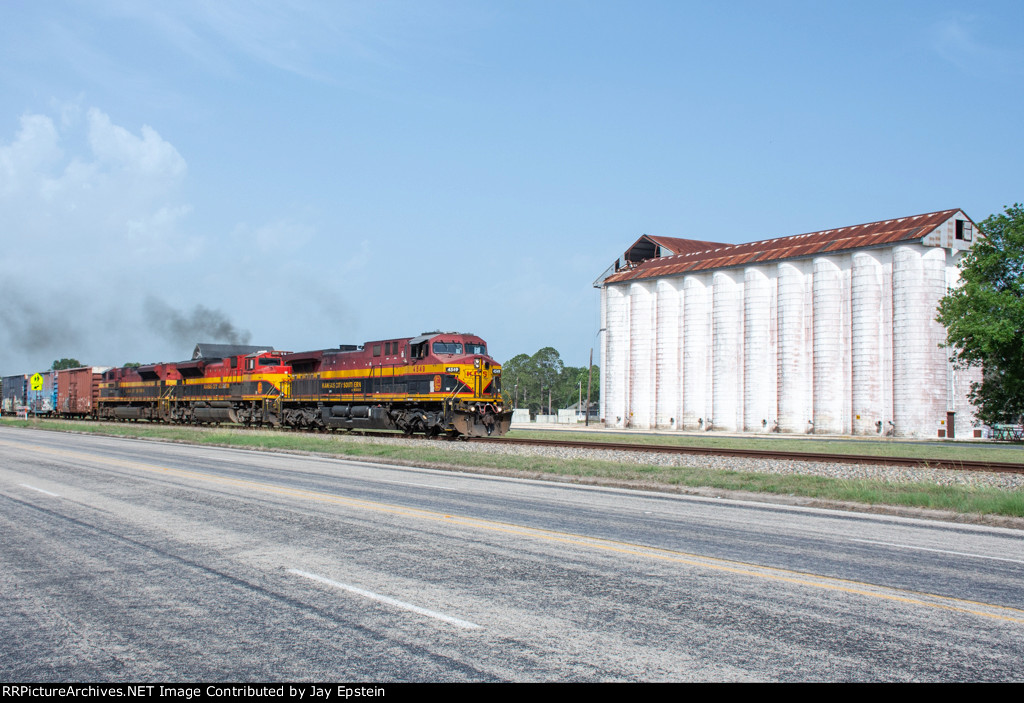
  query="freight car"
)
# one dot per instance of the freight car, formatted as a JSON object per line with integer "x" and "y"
{"x": 31, "y": 393}
{"x": 42, "y": 393}
{"x": 437, "y": 383}
{"x": 78, "y": 390}
{"x": 14, "y": 393}
{"x": 63, "y": 393}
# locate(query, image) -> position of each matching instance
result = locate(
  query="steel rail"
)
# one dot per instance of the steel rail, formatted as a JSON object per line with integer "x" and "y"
{"x": 920, "y": 463}
{"x": 910, "y": 462}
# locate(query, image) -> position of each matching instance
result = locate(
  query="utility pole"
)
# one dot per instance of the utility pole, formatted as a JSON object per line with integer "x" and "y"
{"x": 590, "y": 371}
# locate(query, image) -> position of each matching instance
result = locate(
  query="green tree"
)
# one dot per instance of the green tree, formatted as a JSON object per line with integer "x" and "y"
{"x": 61, "y": 364}
{"x": 515, "y": 374}
{"x": 530, "y": 381}
{"x": 548, "y": 366}
{"x": 984, "y": 318}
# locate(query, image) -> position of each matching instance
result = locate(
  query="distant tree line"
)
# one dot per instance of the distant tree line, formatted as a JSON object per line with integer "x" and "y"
{"x": 534, "y": 381}
{"x": 61, "y": 364}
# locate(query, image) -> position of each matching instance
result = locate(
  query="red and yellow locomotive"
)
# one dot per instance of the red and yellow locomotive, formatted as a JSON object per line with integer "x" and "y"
{"x": 437, "y": 383}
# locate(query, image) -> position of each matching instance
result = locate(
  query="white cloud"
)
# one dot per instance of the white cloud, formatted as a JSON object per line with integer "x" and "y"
{"x": 955, "y": 40}
{"x": 158, "y": 235}
{"x": 85, "y": 191}
{"x": 148, "y": 156}
{"x": 33, "y": 151}
{"x": 290, "y": 35}
{"x": 315, "y": 40}
{"x": 93, "y": 221}
{"x": 278, "y": 236}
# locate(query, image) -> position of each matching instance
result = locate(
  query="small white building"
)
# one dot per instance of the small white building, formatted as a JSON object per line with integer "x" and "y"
{"x": 827, "y": 332}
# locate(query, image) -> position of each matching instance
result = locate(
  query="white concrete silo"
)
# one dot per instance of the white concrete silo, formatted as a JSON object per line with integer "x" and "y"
{"x": 759, "y": 365}
{"x": 919, "y": 388}
{"x": 614, "y": 377}
{"x": 668, "y": 368}
{"x": 727, "y": 361}
{"x": 960, "y": 380}
{"x": 828, "y": 373}
{"x": 641, "y": 354}
{"x": 935, "y": 388}
{"x": 867, "y": 369}
{"x": 793, "y": 369}
{"x": 695, "y": 352}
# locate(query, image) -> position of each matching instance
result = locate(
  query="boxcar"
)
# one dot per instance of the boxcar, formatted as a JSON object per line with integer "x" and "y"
{"x": 41, "y": 393}
{"x": 14, "y": 395}
{"x": 78, "y": 389}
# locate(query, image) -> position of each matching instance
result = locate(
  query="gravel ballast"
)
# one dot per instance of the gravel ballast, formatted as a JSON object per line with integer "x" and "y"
{"x": 841, "y": 470}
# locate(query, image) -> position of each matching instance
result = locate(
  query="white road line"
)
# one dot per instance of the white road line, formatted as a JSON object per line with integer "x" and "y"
{"x": 390, "y": 601}
{"x": 39, "y": 489}
{"x": 940, "y": 551}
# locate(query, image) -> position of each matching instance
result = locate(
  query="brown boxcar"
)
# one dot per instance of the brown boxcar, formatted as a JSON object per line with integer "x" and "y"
{"x": 78, "y": 389}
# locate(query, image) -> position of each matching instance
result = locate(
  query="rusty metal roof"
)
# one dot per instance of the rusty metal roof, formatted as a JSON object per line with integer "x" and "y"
{"x": 701, "y": 258}
{"x": 683, "y": 246}
{"x": 648, "y": 247}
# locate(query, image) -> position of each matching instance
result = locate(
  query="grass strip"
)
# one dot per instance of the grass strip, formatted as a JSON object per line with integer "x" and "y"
{"x": 961, "y": 499}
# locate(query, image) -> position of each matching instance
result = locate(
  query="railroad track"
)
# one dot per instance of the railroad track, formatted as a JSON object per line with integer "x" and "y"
{"x": 947, "y": 464}
{"x": 995, "y": 466}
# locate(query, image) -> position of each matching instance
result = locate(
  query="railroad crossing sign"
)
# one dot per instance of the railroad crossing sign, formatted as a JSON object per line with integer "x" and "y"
{"x": 37, "y": 381}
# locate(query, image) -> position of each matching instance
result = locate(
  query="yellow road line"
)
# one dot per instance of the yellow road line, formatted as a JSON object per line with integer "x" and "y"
{"x": 930, "y": 600}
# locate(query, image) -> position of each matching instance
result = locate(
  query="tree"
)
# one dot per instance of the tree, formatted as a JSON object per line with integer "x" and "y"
{"x": 61, "y": 364}
{"x": 515, "y": 374}
{"x": 529, "y": 381}
{"x": 984, "y": 318}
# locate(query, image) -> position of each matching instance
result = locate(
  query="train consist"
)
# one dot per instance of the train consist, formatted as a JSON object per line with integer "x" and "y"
{"x": 436, "y": 383}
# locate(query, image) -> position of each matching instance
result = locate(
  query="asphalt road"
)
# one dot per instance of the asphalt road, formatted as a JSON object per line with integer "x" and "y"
{"x": 131, "y": 560}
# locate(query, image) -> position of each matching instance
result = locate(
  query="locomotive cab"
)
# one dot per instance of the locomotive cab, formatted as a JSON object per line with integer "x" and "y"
{"x": 471, "y": 383}
{"x": 261, "y": 363}
{"x": 436, "y": 383}
{"x": 240, "y": 388}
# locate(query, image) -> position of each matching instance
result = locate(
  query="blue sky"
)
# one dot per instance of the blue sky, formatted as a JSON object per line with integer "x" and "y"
{"x": 318, "y": 173}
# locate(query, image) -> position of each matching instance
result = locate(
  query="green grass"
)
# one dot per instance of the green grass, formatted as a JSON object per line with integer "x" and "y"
{"x": 961, "y": 499}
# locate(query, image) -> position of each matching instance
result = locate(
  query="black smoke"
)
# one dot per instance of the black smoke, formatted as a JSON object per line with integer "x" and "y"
{"x": 31, "y": 324}
{"x": 200, "y": 325}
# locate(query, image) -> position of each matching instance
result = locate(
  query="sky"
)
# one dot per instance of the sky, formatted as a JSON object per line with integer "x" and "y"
{"x": 304, "y": 174}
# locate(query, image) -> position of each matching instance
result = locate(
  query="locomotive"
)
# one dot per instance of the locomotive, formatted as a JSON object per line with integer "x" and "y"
{"x": 436, "y": 383}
